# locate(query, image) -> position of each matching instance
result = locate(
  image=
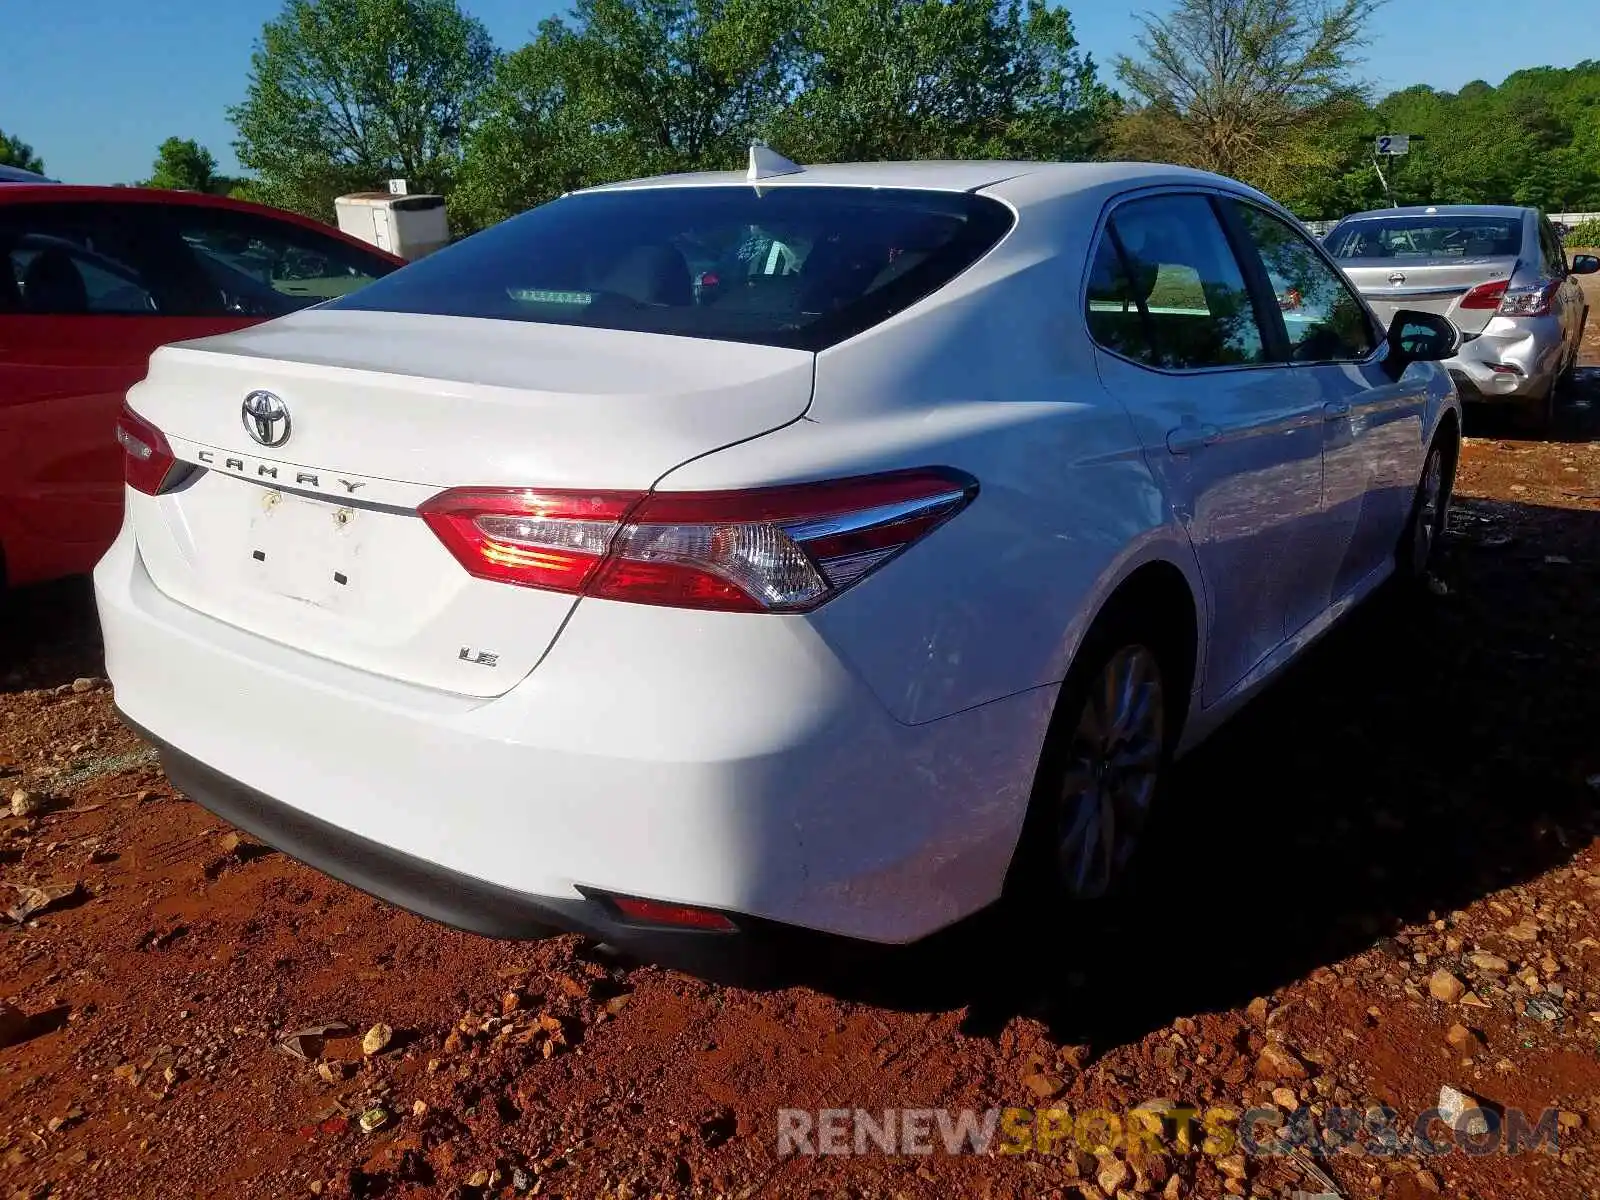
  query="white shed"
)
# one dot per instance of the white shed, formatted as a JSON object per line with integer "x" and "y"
{"x": 410, "y": 226}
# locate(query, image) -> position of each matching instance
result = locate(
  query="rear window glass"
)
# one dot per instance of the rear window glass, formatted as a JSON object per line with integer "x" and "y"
{"x": 1428, "y": 237}
{"x": 789, "y": 266}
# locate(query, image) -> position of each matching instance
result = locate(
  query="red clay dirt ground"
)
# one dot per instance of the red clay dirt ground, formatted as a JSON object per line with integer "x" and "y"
{"x": 1420, "y": 796}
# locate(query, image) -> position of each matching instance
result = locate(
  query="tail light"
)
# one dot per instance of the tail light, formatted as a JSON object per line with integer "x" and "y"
{"x": 1508, "y": 301}
{"x": 1485, "y": 296}
{"x": 781, "y": 549}
{"x": 1530, "y": 301}
{"x": 147, "y": 459}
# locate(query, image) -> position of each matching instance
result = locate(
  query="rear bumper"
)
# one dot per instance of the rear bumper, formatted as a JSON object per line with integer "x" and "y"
{"x": 760, "y": 952}
{"x": 1514, "y": 359}
{"x": 729, "y": 764}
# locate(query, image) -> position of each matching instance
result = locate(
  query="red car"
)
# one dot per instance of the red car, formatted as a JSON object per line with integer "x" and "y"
{"x": 92, "y": 279}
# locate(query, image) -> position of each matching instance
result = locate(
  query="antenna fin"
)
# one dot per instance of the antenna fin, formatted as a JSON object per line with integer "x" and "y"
{"x": 766, "y": 162}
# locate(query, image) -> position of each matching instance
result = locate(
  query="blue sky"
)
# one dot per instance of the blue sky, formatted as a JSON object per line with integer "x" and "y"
{"x": 96, "y": 85}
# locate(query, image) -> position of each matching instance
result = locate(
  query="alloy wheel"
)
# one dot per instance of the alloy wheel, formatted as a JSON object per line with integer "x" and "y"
{"x": 1431, "y": 504}
{"x": 1114, "y": 763}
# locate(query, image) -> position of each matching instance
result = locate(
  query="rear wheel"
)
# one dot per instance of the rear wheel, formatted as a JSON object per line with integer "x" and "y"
{"x": 1569, "y": 372}
{"x": 1429, "y": 510}
{"x": 1103, "y": 769}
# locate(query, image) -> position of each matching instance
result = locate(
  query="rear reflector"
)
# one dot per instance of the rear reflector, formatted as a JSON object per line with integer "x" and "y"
{"x": 1485, "y": 296}
{"x": 681, "y": 916}
{"x": 147, "y": 459}
{"x": 781, "y": 549}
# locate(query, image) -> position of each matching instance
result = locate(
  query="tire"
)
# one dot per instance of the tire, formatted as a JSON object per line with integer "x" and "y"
{"x": 1537, "y": 415}
{"x": 1069, "y": 850}
{"x": 1430, "y": 510}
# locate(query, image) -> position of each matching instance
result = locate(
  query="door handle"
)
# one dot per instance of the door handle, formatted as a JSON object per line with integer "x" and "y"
{"x": 1187, "y": 438}
{"x": 1334, "y": 409}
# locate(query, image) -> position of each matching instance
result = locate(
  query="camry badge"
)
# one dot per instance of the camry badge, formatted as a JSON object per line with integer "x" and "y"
{"x": 266, "y": 418}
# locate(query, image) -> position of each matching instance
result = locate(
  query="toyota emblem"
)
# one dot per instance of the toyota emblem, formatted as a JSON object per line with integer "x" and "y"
{"x": 1397, "y": 278}
{"x": 266, "y": 418}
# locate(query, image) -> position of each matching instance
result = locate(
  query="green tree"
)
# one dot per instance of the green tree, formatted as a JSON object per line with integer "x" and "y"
{"x": 1255, "y": 89}
{"x": 904, "y": 79}
{"x": 626, "y": 88}
{"x": 14, "y": 152}
{"x": 183, "y": 164}
{"x": 344, "y": 94}
{"x": 638, "y": 87}
{"x": 1534, "y": 139}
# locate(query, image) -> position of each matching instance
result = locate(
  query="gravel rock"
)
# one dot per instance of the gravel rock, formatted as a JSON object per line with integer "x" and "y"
{"x": 13, "y": 1024}
{"x": 26, "y": 804}
{"x": 1112, "y": 1175}
{"x": 1462, "y": 1111}
{"x": 1279, "y": 1062}
{"x": 1043, "y": 1084}
{"x": 1445, "y": 987}
{"x": 1542, "y": 1008}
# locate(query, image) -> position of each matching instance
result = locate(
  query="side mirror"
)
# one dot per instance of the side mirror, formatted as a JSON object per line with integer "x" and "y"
{"x": 1584, "y": 264}
{"x": 1420, "y": 337}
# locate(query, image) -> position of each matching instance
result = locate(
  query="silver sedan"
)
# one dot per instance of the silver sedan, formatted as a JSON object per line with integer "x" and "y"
{"x": 1499, "y": 273}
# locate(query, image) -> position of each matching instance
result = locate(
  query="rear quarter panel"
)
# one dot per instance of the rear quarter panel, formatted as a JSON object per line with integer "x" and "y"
{"x": 992, "y": 375}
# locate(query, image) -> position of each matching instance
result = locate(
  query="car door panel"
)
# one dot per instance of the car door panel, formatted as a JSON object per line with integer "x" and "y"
{"x": 1569, "y": 300}
{"x": 1233, "y": 437}
{"x": 1371, "y": 424}
{"x": 1372, "y": 459}
{"x": 1239, "y": 454}
{"x": 62, "y": 381}
{"x": 90, "y": 290}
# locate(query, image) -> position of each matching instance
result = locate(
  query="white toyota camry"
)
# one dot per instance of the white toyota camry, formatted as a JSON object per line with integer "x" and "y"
{"x": 698, "y": 560}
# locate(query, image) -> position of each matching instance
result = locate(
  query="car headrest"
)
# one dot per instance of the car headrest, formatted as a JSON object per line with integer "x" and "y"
{"x": 1148, "y": 245}
{"x": 51, "y": 284}
{"x": 10, "y": 294}
{"x": 651, "y": 274}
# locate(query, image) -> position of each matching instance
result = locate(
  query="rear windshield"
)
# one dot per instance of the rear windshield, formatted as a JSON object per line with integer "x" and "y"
{"x": 790, "y": 266}
{"x": 1428, "y": 237}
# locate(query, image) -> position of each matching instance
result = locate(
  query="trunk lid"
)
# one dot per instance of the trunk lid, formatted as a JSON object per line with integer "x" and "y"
{"x": 315, "y": 542}
{"x": 1434, "y": 285}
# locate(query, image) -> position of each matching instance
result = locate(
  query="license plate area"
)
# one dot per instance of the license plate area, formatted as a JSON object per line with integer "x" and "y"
{"x": 307, "y": 550}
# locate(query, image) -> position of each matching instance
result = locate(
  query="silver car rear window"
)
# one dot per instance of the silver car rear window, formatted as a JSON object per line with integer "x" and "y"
{"x": 1428, "y": 237}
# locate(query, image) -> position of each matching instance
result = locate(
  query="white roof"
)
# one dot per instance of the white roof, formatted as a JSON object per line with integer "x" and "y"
{"x": 1031, "y": 179}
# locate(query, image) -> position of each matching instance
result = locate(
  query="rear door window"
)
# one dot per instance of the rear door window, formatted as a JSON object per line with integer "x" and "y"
{"x": 1165, "y": 289}
{"x": 792, "y": 265}
{"x": 79, "y": 260}
{"x": 263, "y": 267}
